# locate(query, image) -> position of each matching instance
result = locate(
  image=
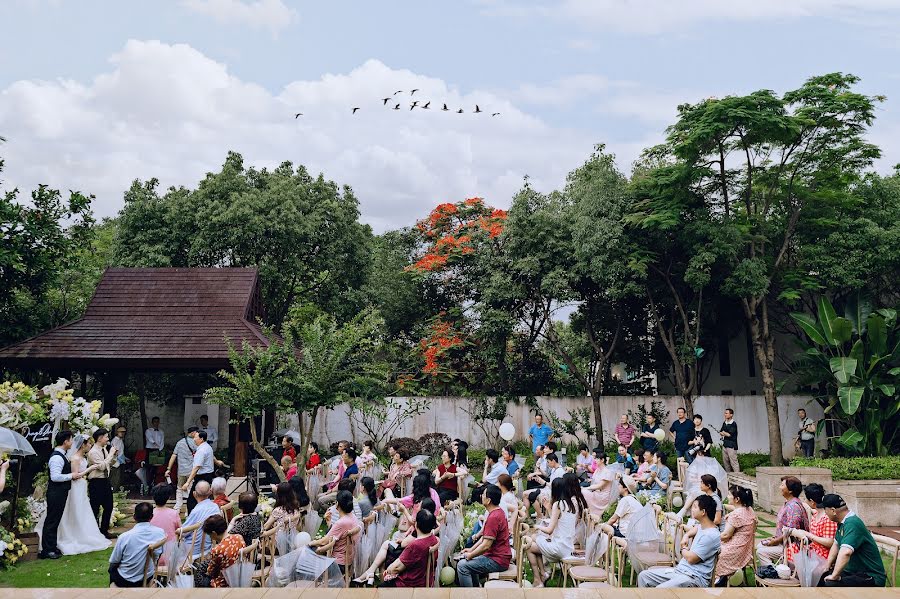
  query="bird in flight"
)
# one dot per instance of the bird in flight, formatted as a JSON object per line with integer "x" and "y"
{"x": 427, "y": 104}
{"x": 413, "y": 91}
{"x": 477, "y": 109}
{"x": 385, "y": 101}
{"x": 397, "y": 107}
{"x": 495, "y": 114}
{"x": 399, "y": 91}
{"x": 413, "y": 105}
{"x": 355, "y": 109}
{"x": 445, "y": 107}
{"x": 299, "y": 114}
{"x": 460, "y": 111}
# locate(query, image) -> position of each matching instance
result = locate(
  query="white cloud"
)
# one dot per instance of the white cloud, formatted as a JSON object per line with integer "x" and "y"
{"x": 170, "y": 112}
{"x": 656, "y": 16}
{"x": 273, "y": 15}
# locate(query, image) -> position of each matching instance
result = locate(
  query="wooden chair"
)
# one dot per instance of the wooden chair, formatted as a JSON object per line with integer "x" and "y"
{"x": 520, "y": 529}
{"x": 266, "y": 546}
{"x": 520, "y": 559}
{"x": 893, "y": 546}
{"x": 349, "y": 549}
{"x": 431, "y": 566}
{"x": 656, "y": 558}
{"x": 589, "y": 522}
{"x": 152, "y": 559}
{"x": 599, "y": 572}
{"x": 793, "y": 581}
{"x": 228, "y": 510}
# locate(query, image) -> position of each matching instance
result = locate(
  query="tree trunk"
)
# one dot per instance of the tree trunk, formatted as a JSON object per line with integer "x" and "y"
{"x": 764, "y": 349}
{"x": 254, "y": 442}
{"x": 142, "y": 408}
{"x": 596, "y": 393}
{"x": 305, "y": 438}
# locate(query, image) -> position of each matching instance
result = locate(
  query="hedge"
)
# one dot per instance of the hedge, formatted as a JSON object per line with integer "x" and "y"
{"x": 881, "y": 468}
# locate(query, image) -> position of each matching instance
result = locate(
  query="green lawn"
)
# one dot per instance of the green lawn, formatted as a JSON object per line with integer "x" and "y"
{"x": 86, "y": 570}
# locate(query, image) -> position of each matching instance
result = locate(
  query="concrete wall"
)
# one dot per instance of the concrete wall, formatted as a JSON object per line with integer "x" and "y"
{"x": 445, "y": 414}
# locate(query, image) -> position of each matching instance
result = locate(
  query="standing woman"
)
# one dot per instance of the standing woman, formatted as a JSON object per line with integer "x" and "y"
{"x": 557, "y": 541}
{"x": 445, "y": 478}
{"x": 603, "y": 483}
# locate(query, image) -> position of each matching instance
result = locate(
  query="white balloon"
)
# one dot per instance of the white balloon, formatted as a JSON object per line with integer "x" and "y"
{"x": 677, "y": 501}
{"x": 302, "y": 539}
{"x": 507, "y": 431}
{"x": 659, "y": 434}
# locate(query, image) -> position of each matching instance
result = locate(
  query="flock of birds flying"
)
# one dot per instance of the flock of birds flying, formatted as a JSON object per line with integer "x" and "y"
{"x": 413, "y": 105}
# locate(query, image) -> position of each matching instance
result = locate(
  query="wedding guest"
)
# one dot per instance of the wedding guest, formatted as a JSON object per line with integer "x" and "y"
{"x": 737, "y": 537}
{"x": 99, "y": 487}
{"x": 626, "y": 459}
{"x": 445, "y": 478}
{"x": 217, "y": 487}
{"x": 400, "y": 469}
{"x": 708, "y": 486}
{"x": 225, "y": 554}
{"x": 626, "y": 508}
{"x": 212, "y": 435}
{"x": 126, "y": 564}
{"x": 649, "y": 440}
{"x": 625, "y": 433}
{"x": 287, "y": 447}
{"x": 508, "y": 455}
{"x": 366, "y": 460}
{"x": 540, "y": 469}
{"x": 729, "y": 435}
{"x": 183, "y": 454}
{"x": 204, "y": 508}
{"x": 854, "y": 559}
{"x": 683, "y": 431}
{"x": 165, "y": 517}
{"x": 508, "y": 501}
{"x": 542, "y": 495}
{"x": 696, "y": 565}
{"x": 410, "y": 569}
{"x": 313, "y": 459}
{"x": 289, "y": 466}
{"x": 350, "y": 472}
{"x": 791, "y": 516}
{"x": 154, "y": 441}
{"x": 118, "y": 442}
{"x": 391, "y": 549}
{"x": 247, "y": 523}
{"x": 493, "y": 468}
{"x": 701, "y": 442}
{"x": 332, "y": 514}
{"x": 539, "y": 433}
{"x": 584, "y": 462}
{"x": 339, "y": 530}
{"x": 555, "y": 540}
{"x": 204, "y": 465}
{"x": 492, "y": 552}
{"x": 806, "y": 435}
{"x": 367, "y": 498}
{"x": 600, "y": 494}
{"x": 821, "y": 528}
{"x": 660, "y": 476}
{"x": 286, "y": 506}
{"x": 298, "y": 485}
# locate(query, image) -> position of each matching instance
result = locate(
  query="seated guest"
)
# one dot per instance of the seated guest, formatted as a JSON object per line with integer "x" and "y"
{"x": 508, "y": 455}
{"x": 366, "y": 460}
{"x": 350, "y": 472}
{"x": 410, "y": 569}
{"x": 165, "y": 517}
{"x": 737, "y": 537}
{"x": 400, "y": 469}
{"x": 660, "y": 476}
{"x": 584, "y": 462}
{"x": 460, "y": 450}
{"x": 287, "y": 448}
{"x": 540, "y": 469}
{"x": 286, "y": 507}
{"x": 218, "y": 494}
{"x": 337, "y": 473}
{"x": 555, "y": 471}
{"x": 445, "y": 478}
{"x": 791, "y": 516}
{"x": 288, "y": 466}
{"x": 421, "y": 489}
{"x": 854, "y": 559}
{"x": 645, "y": 463}
{"x": 821, "y": 528}
{"x": 603, "y": 485}
{"x": 555, "y": 541}
{"x": 626, "y": 459}
{"x": 298, "y": 485}
{"x": 696, "y": 565}
{"x": 391, "y": 549}
{"x": 205, "y": 508}
{"x": 210, "y": 573}
{"x": 493, "y": 468}
{"x": 626, "y": 508}
{"x": 508, "y": 501}
{"x": 708, "y": 486}
{"x": 313, "y": 459}
{"x": 126, "y": 564}
{"x": 247, "y": 523}
{"x": 367, "y": 498}
{"x": 339, "y": 529}
{"x": 492, "y": 552}
{"x": 333, "y": 514}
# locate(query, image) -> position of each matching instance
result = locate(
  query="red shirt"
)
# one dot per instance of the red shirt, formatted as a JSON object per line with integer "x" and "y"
{"x": 451, "y": 483}
{"x": 497, "y": 527}
{"x": 291, "y": 472}
{"x": 415, "y": 561}
{"x": 291, "y": 452}
{"x": 313, "y": 461}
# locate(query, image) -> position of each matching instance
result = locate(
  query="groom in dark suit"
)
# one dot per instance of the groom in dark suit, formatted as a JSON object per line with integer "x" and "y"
{"x": 58, "y": 486}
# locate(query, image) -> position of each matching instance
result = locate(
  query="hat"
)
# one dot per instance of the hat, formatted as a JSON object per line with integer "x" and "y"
{"x": 833, "y": 500}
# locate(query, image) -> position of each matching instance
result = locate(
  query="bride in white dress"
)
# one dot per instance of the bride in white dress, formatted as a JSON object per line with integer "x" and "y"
{"x": 78, "y": 530}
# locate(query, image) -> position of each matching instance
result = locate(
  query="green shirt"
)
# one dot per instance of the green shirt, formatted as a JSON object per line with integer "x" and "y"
{"x": 866, "y": 559}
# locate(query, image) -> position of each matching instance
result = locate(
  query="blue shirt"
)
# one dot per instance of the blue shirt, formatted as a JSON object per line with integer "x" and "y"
{"x": 706, "y": 544}
{"x": 353, "y": 469}
{"x": 130, "y": 551}
{"x": 627, "y": 462}
{"x": 198, "y": 515}
{"x": 684, "y": 432}
{"x": 663, "y": 475}
{"x": 539, "y": 435}
{"x": 512, "y": 468}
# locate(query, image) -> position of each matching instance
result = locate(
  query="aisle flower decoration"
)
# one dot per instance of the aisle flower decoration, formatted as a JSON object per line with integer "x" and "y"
{"x": 20, "y": 405}
{"x": 11, "y": 549}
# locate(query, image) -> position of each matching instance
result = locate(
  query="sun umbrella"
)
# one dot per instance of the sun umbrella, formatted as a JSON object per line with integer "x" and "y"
{"x": 13, "y": 443}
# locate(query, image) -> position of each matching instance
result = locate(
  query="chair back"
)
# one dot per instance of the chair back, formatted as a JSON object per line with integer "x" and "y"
{"x": 248, "y": 553}
{"x": 152, "y": 559}
{"x": 712, "y": 576}
{"x": 431, "y": 566}
{"x": 228, "y": 510}
{"x": 180, "y": 534}
{"x": 266, "y": 553}
{"x": 893, "y": 547}
{"x": 349, "y": 550}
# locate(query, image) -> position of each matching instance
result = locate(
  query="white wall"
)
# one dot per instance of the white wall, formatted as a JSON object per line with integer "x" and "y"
{"x": 445, "y": 415}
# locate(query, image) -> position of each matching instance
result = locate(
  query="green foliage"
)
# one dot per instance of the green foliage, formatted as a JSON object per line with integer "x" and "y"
{"x": 488, "y": 414}
{"x": 638, "y": 417}
{"x": 855, "y": 468}
{"x": 854, "y": 363}
{"x": 379, "y": 417}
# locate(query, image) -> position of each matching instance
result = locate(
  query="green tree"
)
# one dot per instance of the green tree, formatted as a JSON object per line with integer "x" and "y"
{"x": 765, "y": 167}
{"x": 302, "y": 232}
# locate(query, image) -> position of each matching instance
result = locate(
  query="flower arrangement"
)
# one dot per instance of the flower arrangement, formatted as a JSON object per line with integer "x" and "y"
{"x": 36, "y": 509}
{"x": 117, "y": 517}
{"x": 11, "y": 549}
{"x": 265, "y": 507}
{"x": 83, "y": 416}
{"x": 651, "y": 497}
{"x": 20, "y": 405}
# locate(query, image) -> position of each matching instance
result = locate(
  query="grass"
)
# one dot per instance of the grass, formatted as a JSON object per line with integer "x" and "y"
{"x": 85, "y": 570}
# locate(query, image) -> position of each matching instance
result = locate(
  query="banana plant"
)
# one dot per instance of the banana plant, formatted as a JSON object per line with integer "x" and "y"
{"x": 854, "y": 360}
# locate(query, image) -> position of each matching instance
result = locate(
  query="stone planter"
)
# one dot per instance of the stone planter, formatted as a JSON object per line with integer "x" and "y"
{"x": 768, "y": 480}
{"x": 877, "y": 502}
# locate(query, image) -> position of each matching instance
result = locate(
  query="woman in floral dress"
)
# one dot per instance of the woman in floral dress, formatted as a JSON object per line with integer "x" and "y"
{"x": 225, "y": 554}
{"x": 737, "y": 538}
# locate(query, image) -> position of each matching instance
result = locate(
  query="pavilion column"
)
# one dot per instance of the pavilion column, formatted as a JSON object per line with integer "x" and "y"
{"x": 112, "y": 383}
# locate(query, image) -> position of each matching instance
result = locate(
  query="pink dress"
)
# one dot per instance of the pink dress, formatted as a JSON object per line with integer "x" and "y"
{"x": 600, "y": 499}
{"x": 167, "y": 519}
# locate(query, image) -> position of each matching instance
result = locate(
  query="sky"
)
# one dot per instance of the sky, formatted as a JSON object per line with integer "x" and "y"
{"x": 95, "y": 94}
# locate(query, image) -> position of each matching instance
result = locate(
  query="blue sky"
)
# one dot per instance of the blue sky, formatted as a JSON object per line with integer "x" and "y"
{"x": 94, "y": 94}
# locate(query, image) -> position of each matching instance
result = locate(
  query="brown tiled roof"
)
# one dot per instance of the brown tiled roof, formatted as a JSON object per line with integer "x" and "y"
{"x": 156, "y": 318}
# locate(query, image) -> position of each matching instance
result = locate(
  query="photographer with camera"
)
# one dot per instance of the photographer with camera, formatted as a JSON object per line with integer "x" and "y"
{"x": 702, "y": 440}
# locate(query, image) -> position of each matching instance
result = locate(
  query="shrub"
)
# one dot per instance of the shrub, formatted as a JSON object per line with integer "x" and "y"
{"x": 476, "y": 460}
{"x": 407, "y": 444}
{"x": 434, "y": 443}
{"x": 749, "y": 462}
{"x": 880, "y": 468}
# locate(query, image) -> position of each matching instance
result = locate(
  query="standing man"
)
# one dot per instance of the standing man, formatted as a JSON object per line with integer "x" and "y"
{"x": 118, "y": 444}
{"x": 203, "y": 467}
{"x": 806, "y": 434}
{"x": 729, "y": 434}
{"x": 184, "y": 455}
{"x": 648, "y": 434}
{"x": 539, "y": 433}
{"x": 58, "y": 486}
{"x": 99, "y": 487}
{"x": 212, "y": 435}
{"x": 683, "y": 431}
{"x": 854, "y": 559}
{"x": 154, "y": 441}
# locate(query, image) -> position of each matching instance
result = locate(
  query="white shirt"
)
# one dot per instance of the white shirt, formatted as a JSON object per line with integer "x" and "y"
{"x": 119, "y": 444}
{"x": 506, "y": 500}
{"x": 212, "y": 435}
{"x": 558, "y": 473}
{"x": 203, "y": 458}
{"x": 495, "y": 472}
{"x": 56, "y": 464}
{"x": 154, "y": 438}
{"x": 627, "y": 507}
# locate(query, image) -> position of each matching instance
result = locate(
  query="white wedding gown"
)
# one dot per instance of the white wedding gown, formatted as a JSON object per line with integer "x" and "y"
{"x": 78, "y": 531}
